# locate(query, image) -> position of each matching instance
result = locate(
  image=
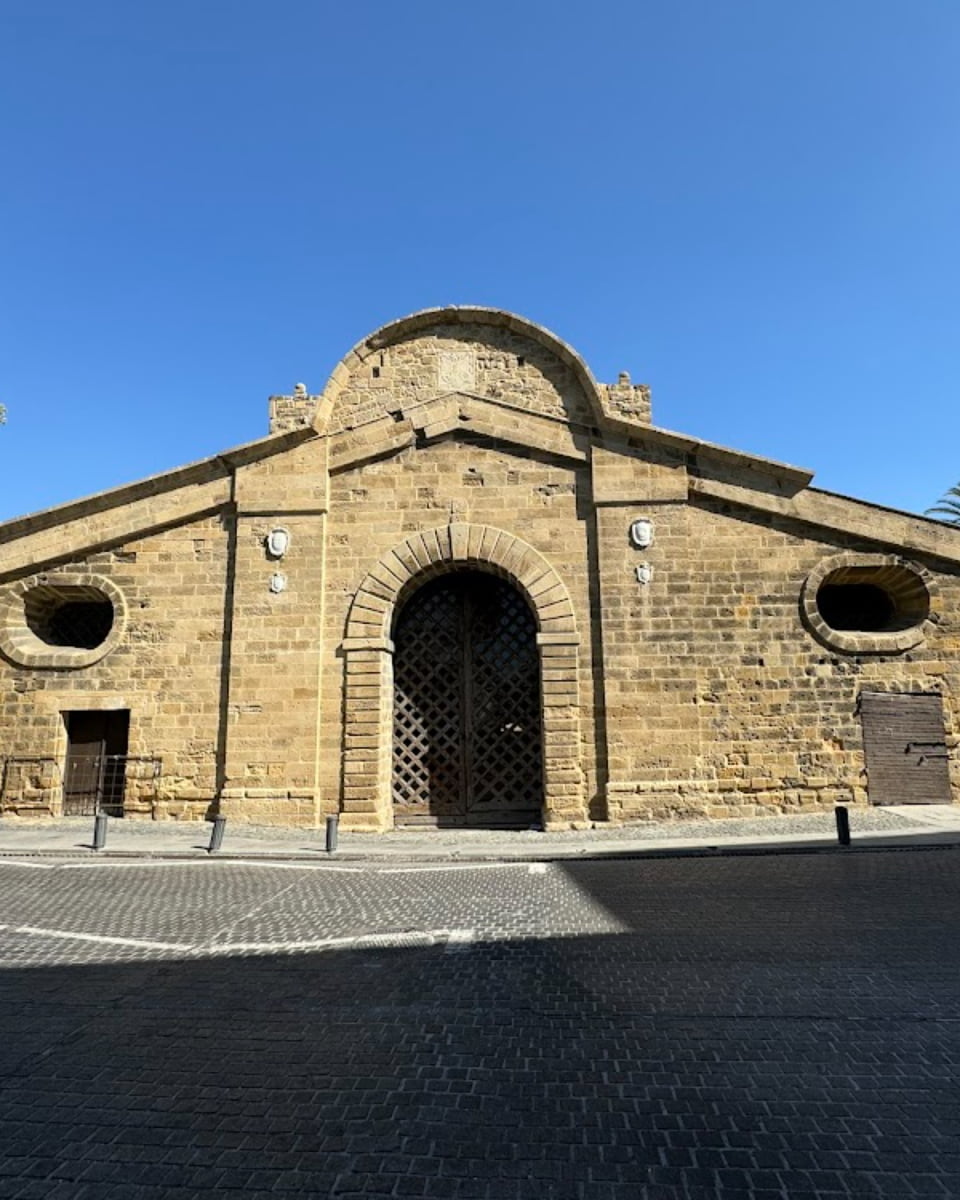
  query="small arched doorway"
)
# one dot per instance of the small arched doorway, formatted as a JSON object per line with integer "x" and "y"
{"x": 467, "y": 739}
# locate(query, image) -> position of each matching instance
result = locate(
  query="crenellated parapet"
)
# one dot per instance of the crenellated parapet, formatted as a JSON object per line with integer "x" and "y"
{"x": 292, "y": 412}
{"x": 627, "y": 400}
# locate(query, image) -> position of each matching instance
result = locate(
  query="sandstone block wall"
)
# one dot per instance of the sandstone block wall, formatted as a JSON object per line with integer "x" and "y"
{"x": 166, "y": 671}
{"x": 725, "y": 704}
{"x": 683, "y": 677}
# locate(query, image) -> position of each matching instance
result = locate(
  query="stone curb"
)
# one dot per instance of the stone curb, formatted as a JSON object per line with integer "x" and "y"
{"x": 320, "y": 857}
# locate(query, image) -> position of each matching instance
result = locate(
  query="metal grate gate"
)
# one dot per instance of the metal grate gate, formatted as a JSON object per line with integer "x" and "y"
{"x": 95, "y": 784}
{"x": 467, "y": 746}
{"x": 106, "y": 783}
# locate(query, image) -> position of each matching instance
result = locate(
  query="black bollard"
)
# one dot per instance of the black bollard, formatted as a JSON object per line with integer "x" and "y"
{"x": 216, "y": 834}
{"x": 333, "y": 824}
{"x": 843, "y": 825}
{"x": 99, "y": 831}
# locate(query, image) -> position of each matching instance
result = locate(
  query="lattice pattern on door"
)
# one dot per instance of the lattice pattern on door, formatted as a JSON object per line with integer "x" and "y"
{"x": 467, "y": 729}
{"x": 428, "y": 683}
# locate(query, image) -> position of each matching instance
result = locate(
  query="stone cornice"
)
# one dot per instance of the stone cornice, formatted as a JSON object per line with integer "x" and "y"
{"x": 217, "y": 466}
{"x": 451, "y": 413}
{"x": 827, "y": 510}
{"x": 788, "y": 478}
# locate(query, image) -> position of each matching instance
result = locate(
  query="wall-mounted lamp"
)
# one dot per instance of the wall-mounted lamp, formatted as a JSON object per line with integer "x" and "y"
{"x": 641, "y": 533}
{"x": 278, "y": 542}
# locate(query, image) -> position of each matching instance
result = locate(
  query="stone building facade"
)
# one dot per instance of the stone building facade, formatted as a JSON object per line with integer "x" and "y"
{"x": 469, "y": 585}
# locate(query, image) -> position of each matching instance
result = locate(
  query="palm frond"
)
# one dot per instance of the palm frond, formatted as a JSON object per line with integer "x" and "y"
{"x": 949, "y": 516}
{"x": 949, "y": 507}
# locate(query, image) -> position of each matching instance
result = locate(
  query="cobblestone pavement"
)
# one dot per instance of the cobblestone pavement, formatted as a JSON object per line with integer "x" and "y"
{"x": 690, "y": 1028}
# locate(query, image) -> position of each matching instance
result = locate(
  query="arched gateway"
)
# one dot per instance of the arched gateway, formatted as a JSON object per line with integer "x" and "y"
{"x": 462, "y": 692}
{"x": 467, "y": 745}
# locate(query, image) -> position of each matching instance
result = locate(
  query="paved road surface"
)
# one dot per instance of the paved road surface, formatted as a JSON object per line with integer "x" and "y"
{"x": 734, "y": 1027}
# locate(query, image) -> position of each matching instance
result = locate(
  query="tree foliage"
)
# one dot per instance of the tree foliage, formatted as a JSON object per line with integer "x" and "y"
{"x": 949, "y": 507}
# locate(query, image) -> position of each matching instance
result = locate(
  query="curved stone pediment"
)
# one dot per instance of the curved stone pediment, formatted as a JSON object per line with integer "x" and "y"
{"x": 484, "y": 353}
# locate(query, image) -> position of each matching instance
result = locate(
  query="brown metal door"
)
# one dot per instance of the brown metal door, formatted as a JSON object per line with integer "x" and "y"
{"x": 467, "y": 742}
{"x": 95, "y": 773}
{"x": 904, "y": 745}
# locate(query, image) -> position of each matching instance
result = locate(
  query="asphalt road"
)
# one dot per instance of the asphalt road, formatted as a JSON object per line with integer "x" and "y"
{"x": 655, "y": 1029}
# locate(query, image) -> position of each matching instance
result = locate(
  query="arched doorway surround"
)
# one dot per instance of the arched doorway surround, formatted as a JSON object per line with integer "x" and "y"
{"x": 368, "y": 665}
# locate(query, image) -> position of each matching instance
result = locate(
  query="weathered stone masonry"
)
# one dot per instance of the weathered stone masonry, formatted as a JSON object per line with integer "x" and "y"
{"x": 712, "y": 662}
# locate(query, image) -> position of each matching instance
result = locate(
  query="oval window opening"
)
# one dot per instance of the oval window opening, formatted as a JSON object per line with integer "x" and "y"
{"x": 856, "y": 606}
{"x": 885, "y": 599}
{"x": 61, "y": 617}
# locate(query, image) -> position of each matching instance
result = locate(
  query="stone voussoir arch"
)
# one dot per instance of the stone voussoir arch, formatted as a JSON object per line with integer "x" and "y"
{"x": 368, "y": 657}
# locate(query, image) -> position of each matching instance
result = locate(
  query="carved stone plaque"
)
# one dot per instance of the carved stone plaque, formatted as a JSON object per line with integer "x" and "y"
{"x": 456, "y": 371}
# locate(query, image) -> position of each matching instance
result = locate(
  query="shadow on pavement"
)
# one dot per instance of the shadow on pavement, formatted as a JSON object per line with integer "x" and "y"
{"x": 754, "y": 1032}
{"x": 862, "y": 842}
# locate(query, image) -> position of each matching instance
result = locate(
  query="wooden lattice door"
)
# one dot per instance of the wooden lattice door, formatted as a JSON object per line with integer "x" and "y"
{"x": 467, "y": 746}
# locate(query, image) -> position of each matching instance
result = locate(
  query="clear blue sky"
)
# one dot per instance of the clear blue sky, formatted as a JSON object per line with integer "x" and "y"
{"x": 751, "y": 205}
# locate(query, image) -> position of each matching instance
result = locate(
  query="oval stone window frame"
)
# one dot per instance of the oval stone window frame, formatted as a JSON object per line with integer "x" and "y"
{"x": 22, "y": 646}
{"x": 895, "y": 576}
